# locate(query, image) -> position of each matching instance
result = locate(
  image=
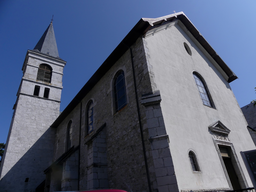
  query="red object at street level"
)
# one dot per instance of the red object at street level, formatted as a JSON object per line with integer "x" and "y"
{"x": 104, "y": 190}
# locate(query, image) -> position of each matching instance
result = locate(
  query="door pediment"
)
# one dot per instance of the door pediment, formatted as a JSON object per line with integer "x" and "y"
{"x": 219, "y": 128}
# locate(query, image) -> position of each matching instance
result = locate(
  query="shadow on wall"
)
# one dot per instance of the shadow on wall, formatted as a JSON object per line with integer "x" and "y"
{"x": 28, "y": 172}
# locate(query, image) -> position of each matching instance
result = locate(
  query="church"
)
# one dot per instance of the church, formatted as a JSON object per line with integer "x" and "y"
{"x": 158, "y": 115}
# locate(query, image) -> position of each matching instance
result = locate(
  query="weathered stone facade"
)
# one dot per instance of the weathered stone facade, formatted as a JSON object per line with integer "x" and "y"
{"x": 114, "y": 147}
{"x": 156, "y": 75}
{"x": 29, "y": 147}
{"x": 146, "y": 145}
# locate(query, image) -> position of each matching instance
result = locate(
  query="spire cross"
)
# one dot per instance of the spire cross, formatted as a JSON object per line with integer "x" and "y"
{"x": 52, "y": 18}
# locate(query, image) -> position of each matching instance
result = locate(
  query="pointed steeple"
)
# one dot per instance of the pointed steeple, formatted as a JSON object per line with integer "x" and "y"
{"x": 47, "y": 44}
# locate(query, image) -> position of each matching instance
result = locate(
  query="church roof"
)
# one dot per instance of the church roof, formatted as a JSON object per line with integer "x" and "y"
{"x": 137, "y": 31}
{"x": 154, "y": 22}
{"x": 47, "y": 44}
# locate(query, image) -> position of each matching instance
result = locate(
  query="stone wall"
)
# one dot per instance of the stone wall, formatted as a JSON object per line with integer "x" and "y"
{"x": 70, "y": 168}
{"x": 97, "y": 167}
{"x": 29, "y": 148}
{"x": 165, "y": 178}
{"x": 32, "y": 63}
{"x": 125, "y": 161}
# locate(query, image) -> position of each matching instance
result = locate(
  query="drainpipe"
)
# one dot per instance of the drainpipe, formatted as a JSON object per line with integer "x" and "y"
{"x": 79, "y": 152}
{"x": 140, "y": 124}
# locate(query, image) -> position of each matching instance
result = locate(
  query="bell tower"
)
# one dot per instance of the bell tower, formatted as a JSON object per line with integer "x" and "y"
{"x": 29, "y": 145}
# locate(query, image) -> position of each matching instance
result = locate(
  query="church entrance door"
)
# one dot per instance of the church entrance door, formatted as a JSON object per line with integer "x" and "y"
{"x": 230, "y": 167}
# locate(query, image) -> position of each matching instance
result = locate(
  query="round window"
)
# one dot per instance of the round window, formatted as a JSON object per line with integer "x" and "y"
{"x": 187, "y": 48}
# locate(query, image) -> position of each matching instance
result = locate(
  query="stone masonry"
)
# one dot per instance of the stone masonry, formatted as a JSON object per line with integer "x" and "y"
{"x": 29, "y": 135}
{"x": 161, "y": 140}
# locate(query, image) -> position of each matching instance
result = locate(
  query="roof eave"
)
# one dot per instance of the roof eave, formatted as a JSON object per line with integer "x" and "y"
{"x": 138, "y": 30}
{"x": 36, "y": 52}
{"x": 193, "y": 30}
{"x": 46, "y": 55}
{"x": 231, "y": 75}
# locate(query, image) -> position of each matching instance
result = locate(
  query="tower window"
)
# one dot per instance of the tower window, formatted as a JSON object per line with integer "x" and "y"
{"x": 193, "y": 161}
{"x": 203, "y": 91}
{"x": 44, "y": 73}
{"x": 90, "y": 117}
{"x": 36, "y": 90}
{"x": 46, "y": 93}
{"x": 69, "y": 135}
{"x": 119, "y": 91}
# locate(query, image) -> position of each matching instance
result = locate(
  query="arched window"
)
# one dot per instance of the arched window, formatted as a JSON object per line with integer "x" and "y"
{"x": 44, "y": 73}
{"x": 69, "y": 135}
{"x": 193, "y": 161}
{"x": 89, "y": 117}
{"x": 203, "y": 91}
{"x": 119, "y": 91}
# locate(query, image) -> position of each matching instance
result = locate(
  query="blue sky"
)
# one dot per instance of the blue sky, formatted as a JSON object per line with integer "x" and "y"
{"x": 88, "y": 31}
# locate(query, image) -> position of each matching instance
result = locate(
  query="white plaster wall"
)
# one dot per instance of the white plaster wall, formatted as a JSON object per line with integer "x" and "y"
{"x": 186, "y": 118}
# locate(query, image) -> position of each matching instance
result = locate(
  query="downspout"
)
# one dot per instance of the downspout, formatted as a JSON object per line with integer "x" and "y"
{"x": 140, "y": 124}
{"x": 79, "y": 151}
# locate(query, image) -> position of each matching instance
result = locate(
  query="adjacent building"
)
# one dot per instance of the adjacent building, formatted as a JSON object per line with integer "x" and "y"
{"x": 249, "y": 112}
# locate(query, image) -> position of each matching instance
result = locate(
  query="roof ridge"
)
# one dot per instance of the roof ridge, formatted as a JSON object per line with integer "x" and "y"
{"x": 151, "y": 21}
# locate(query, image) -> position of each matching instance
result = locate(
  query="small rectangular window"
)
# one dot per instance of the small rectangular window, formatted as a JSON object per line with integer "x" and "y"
{"x": 36, "y": 90}
{"x": 46, "y": 93}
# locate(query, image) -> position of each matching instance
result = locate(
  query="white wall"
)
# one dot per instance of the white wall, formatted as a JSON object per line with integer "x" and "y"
{"x": 186, "y": 118}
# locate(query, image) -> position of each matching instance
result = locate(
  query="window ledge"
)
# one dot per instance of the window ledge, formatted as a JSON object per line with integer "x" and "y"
{"x": 93, "y": 134}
